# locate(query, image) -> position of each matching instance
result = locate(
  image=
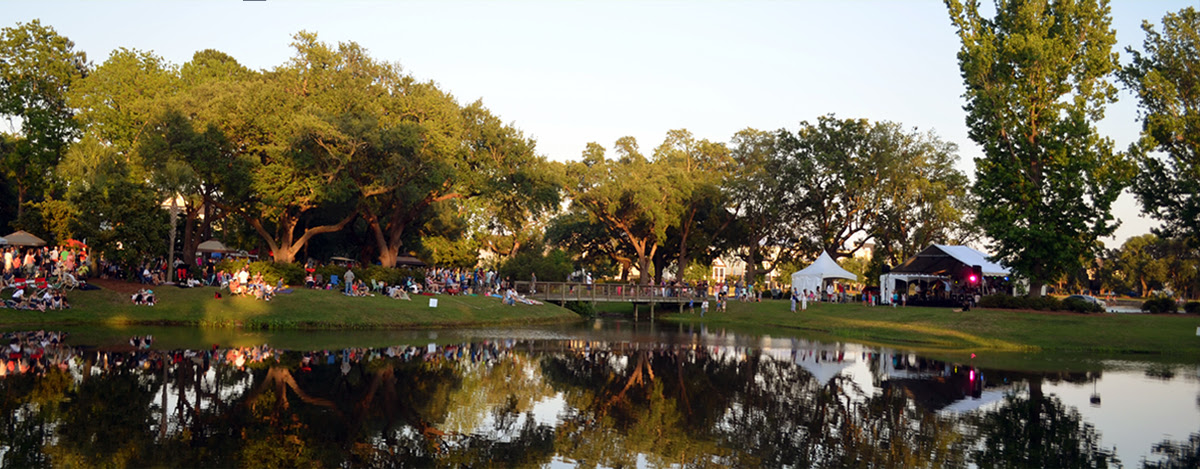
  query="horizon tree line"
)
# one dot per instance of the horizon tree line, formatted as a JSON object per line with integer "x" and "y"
{"x": 337, "y": 146}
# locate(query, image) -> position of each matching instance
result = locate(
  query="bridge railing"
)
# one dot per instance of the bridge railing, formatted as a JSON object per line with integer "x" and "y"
{"x": 574, "y": 291}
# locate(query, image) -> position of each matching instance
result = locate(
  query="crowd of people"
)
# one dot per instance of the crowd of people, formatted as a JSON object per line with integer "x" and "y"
{"x": 38, "y": 276}
{"x": 243, "y": 283}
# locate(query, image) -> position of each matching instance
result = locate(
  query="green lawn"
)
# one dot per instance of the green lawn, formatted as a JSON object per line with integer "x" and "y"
{"x": 301, "y": 309}
{"x": 943, "y": 330}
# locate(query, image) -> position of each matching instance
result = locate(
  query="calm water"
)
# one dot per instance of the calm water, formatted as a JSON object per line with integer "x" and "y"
{"x": 608, "y": 394}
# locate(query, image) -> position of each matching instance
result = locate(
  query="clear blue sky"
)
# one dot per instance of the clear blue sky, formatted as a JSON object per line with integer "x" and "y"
{"x": 569, "y": 72}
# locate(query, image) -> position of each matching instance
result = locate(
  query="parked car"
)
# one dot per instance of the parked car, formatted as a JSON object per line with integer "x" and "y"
{"x": 1088, "y": 299}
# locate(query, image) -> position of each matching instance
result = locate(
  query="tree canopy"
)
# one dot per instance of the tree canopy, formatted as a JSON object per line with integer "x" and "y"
{"x": 1166, "y": 78}
{"x": 1038, "y": 78}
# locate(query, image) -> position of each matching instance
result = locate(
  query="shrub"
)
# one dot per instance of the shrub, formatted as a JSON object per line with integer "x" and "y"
{"x": 582, "y": 308}
{"x": 1161, "y": 304}
{"x": 1045, "y": 303}
{"x": 1080, "y": 306}
{"x": 997, "y": 302}
{"x": 1192, "y": 307}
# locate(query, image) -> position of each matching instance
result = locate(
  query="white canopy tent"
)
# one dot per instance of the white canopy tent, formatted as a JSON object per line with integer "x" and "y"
{"x": 938, "y": 262}
{"x": 213, "y": 245}
{"x": 812, "y": 277}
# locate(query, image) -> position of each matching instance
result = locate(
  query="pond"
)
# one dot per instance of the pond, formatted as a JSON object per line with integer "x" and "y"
{"x": 602, "y": 394}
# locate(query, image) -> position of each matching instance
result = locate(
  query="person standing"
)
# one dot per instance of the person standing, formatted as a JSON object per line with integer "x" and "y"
{"x": 349, "y": 276}
{"x": 793, "y": 300}
{"x": 533, "y": 282}
{"x": 804, "y": 301}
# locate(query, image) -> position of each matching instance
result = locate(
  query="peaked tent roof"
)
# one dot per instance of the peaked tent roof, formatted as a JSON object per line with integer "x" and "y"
{"x": 825, "y": 267}
{"x": 940, "y": 259}
{"x": 23, "y": 238}
{"x": 212, "y": 245}
{"x": 410, "y": 260}
{"x": 811, "y": 277}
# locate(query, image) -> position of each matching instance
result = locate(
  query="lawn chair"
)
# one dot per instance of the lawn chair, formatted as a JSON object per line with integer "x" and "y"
{"x": 376, "y": 286}
{"x": 66, "y": 282}
{"x": 333, "y": 280}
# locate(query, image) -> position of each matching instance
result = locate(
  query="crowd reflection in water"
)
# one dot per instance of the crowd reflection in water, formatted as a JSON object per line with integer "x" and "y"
{"x": 528, "y": 403}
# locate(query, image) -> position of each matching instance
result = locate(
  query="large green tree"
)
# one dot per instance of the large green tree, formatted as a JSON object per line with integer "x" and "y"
{"x": 924, "y": 200}
{"x": 697, "y": 168}
{"x": 1038, "y": 77}
{"x": 761, "y": 200}
{"x": 37, "y": 69}
{"x": 631, "y": 195}
{"x": 1166, "y": 79}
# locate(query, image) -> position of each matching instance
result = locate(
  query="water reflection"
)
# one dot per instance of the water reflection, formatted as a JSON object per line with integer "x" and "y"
{"x": 699, "y": 400}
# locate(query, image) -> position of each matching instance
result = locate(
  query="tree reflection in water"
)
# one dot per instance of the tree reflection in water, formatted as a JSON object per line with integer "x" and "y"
{"x": 474, "y": 404}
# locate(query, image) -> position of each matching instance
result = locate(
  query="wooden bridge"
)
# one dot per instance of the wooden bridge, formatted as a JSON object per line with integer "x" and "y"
{"x": 562, "y": 292}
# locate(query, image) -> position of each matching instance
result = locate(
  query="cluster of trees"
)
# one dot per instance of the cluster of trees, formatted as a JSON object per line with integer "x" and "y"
{"x": 772, "y": 198}
{"x": 337, "y": 144}
{"x": 1038, "y": 77}
{"x": 1146, "y": 264}
{"x": 331, "y": 137}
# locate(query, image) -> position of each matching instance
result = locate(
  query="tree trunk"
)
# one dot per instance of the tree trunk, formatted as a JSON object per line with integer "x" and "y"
{"x": 643, "y": 268}
{"x": 682, "y": 259}
{"x": 21, "y": 190}
{"x": 659, "y": 259}
{"x": 284, "y": 250}
{"x": 1035, "y": 288}
{"x": 189, "y": 237}
{"x": 752, "y": 265}
{"x": 171, "y": 239}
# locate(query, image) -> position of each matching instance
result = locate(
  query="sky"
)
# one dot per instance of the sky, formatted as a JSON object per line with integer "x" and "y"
{"x": 572, "y": 72}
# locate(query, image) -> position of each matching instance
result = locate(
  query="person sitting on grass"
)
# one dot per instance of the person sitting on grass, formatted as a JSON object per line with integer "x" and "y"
{"x": 397, "y": 292}
{"x": 144, "y": 297}
{"x": 58, "y": 301}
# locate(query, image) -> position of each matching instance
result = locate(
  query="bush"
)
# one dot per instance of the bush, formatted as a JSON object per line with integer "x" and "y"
{"x": 1161, "y": 304}
{"x": 997, "y": 302}
{"x": 1192, "y": 307}
{"x": 582, "y": 308}
{"x": 1045, "y": 303}
{"x": 1080, "y": 306}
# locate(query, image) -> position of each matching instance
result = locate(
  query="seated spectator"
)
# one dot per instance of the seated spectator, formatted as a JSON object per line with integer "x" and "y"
{"x": 144, "y": 297}
{"x": 397, "y": 292}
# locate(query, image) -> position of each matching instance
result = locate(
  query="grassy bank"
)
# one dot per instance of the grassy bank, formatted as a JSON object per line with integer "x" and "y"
{"x": 940, "y": 330}
{"x": 302, "y": 309}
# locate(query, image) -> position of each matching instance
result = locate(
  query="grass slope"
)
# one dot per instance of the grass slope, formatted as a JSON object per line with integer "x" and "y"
{"x": 942, "y": 330}
{"x": 301, "y": 309}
